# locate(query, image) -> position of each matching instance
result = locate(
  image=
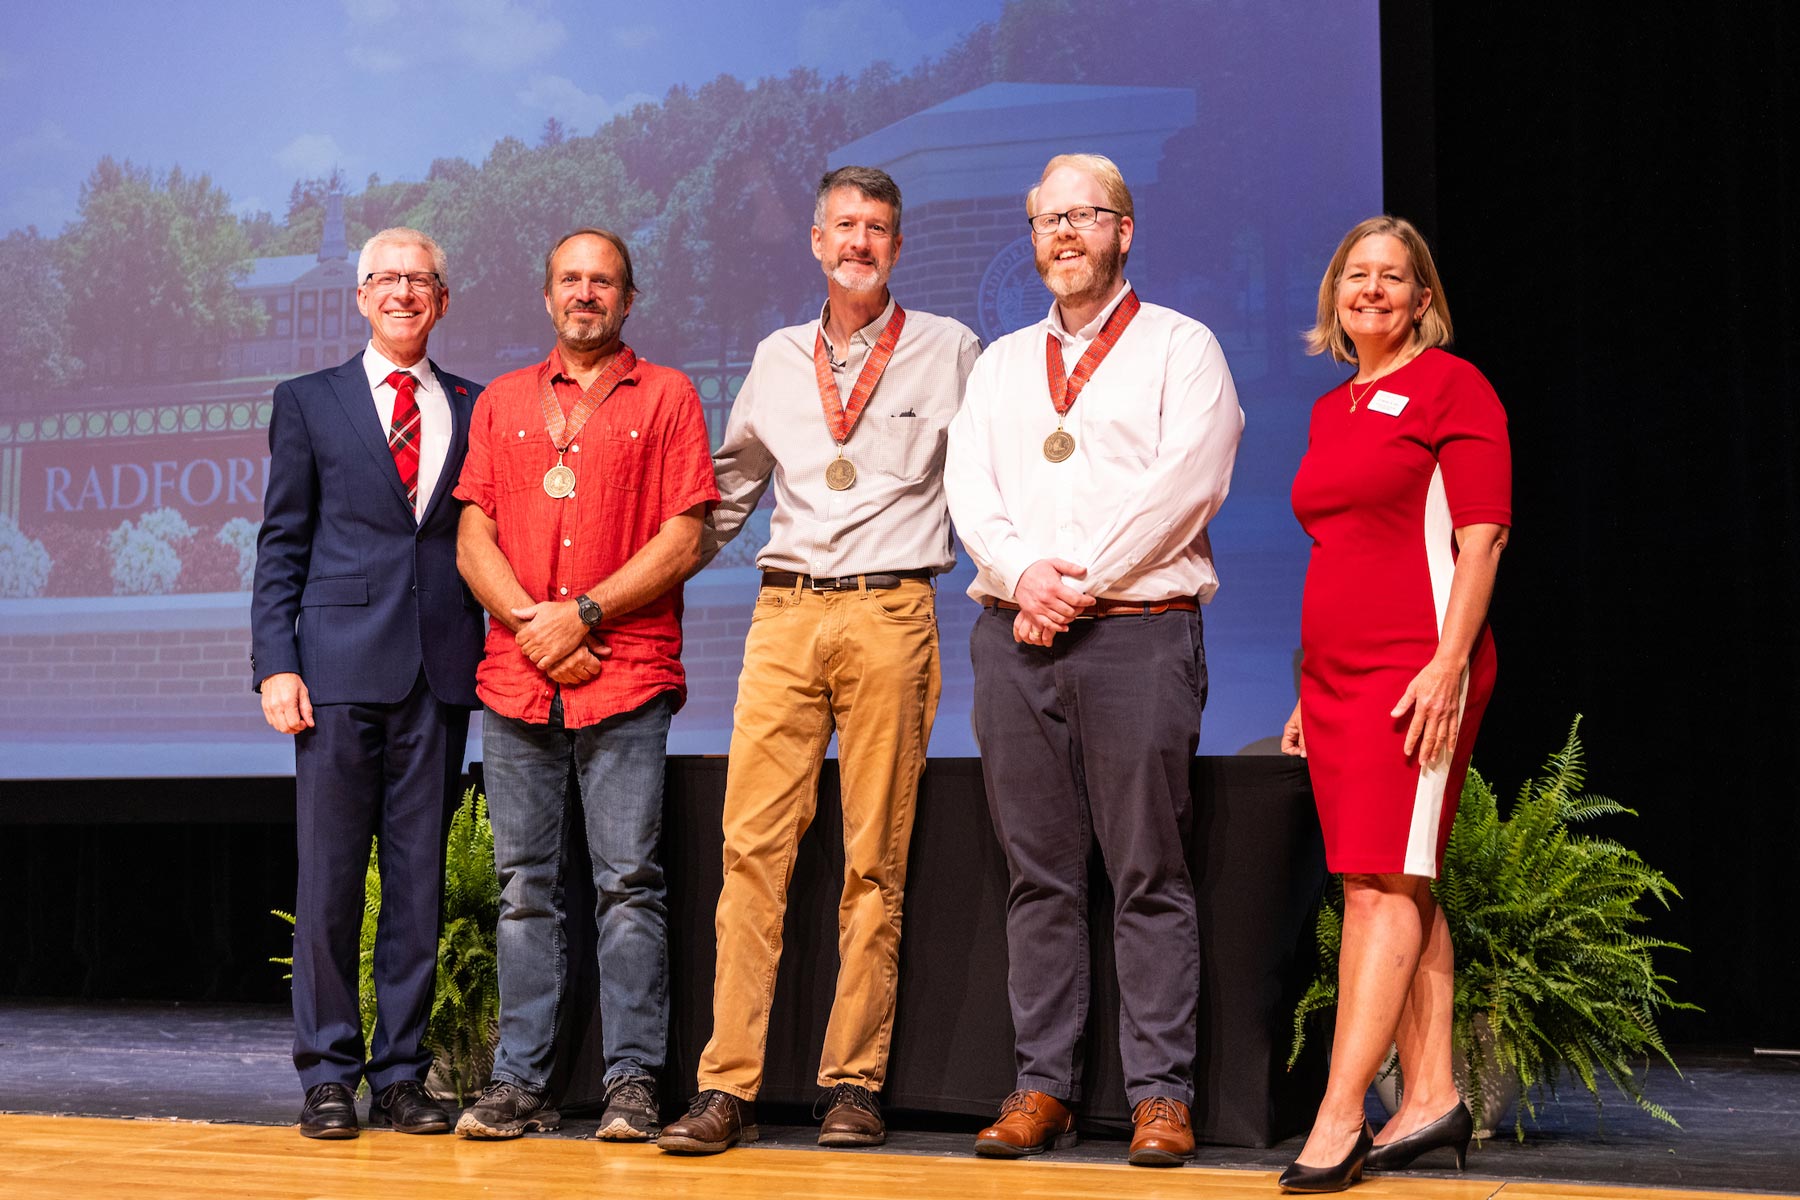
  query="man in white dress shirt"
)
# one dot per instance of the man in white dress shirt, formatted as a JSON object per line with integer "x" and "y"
{"x": 847, "y": 416}
{"x": 1090, "y": 453}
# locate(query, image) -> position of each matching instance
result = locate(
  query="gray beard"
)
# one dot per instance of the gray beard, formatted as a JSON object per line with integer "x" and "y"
{"x": 842, "y": 278}
{"x": 586, "y": 336}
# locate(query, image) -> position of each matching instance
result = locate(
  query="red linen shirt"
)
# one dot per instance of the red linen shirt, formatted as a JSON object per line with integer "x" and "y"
{"x": 642, "y": 458}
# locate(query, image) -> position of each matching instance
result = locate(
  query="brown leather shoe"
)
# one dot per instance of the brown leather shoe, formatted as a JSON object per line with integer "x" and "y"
{"x": 852, "y": 1117}
{"x": 1030, "y": 1123}
{"x": 715, "y": 1121}
{"x": 1163, "y": 1137}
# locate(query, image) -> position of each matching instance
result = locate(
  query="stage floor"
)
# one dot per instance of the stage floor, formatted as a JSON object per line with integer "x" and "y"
{"x": 220, "y": 1063}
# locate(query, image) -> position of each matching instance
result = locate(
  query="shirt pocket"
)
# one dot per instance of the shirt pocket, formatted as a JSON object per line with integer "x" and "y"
{"x": 1126, "y": 435}
{"x": 624, "y": 458}
{"x": 906, "y": 447}
{"x": 523, "y": 462}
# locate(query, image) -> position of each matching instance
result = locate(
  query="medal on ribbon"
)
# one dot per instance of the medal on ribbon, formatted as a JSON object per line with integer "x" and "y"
{"x": 840, "y": 415}
{"x": 559, "y": 481}
{"x": 1064, "y": 392}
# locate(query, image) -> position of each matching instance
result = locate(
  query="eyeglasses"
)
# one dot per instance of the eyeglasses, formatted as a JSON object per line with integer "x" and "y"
{"x": 1078, "y": 218}
{"x": 387, "y": 281}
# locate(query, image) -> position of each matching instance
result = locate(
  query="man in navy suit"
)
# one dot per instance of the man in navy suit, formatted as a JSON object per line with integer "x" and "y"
{"x": 364, "y": 644}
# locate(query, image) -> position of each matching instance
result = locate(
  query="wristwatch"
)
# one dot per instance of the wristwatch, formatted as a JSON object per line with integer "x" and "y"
{"x": 590, "y": 611}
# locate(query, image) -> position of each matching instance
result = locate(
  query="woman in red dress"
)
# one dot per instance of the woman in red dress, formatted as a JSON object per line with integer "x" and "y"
{"x": 1406, "y": 491}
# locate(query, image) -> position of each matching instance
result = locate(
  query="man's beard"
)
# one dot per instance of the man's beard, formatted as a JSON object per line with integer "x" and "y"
{"x": 588, "y": 335}
{"x": 869, "y": 277}
{"x": 1098, "y": 272}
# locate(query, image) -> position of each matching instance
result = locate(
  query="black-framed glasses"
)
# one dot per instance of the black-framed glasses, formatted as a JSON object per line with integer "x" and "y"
{"x": 1083, "y": 217}
{"x": 387, "y": 281}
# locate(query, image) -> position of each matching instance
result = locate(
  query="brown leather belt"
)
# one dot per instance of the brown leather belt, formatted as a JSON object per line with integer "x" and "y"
{"x": 843, "y": 583}
{"x": 1121, "y": 608}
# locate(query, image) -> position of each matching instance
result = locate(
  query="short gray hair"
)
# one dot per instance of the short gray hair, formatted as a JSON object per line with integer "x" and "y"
{"x": 872, "y": 182}
{"x": 400, "y": 235}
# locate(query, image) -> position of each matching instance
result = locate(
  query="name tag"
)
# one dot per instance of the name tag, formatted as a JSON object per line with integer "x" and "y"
{"x": 1388, "y": 402}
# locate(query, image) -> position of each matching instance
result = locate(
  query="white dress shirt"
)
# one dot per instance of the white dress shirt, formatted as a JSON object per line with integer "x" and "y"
{"x": 893, "y": 518}
{"x": 1156, "y": 431}
{"x": 434, "y": 416}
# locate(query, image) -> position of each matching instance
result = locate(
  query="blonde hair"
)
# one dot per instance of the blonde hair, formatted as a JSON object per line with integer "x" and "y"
{"x": 1104, "y": 171}
{"x": 1327, "y": 335}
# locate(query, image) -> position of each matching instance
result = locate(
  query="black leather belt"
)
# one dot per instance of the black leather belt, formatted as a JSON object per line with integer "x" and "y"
{"x": 843, "y": 583}
{"x": 1120, "y": 608}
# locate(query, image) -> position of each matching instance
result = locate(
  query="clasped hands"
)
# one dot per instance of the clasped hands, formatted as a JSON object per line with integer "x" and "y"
{"x": 1046, "y": 603}
{"x": 552, "y": 635}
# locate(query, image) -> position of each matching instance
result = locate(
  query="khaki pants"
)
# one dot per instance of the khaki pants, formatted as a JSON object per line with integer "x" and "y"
{"x": 865, "y": 663}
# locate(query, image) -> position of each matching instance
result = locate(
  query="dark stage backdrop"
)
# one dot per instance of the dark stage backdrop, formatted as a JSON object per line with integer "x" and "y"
{"x": 159, "y": 910}
{"x": 1613, "y": 197}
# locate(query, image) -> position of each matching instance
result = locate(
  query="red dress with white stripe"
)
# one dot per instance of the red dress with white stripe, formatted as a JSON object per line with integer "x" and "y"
{"x": 1380, "y": 491}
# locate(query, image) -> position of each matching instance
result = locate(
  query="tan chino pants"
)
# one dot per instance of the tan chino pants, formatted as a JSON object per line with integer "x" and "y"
{"x": 865, "y": 663}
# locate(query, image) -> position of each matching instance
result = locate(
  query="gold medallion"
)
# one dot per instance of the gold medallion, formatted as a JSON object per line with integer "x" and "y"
{"x": 840, "y": 474}
{"x": 559, "y": 482}
{"x": 1059, "y": 446}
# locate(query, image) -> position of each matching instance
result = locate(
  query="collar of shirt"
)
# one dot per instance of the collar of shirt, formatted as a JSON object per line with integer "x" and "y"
{"x": 554, "y": 371}
{"x": 1053, "y": 323}
{"x": 377, "y": 367}
{"x": 435, "y": 421}
{"x": 861, "y": 341}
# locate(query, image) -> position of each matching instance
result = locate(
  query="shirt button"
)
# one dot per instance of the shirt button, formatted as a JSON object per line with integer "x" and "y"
{"x": 575, "y": 449}
{"x": 564, "y": 591}
{"x": 634, "y": 433}
{"x": 521, "y": 433}
{"x": 567, "y": 542}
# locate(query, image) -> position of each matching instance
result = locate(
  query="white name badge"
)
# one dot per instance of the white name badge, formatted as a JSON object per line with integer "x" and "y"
{"x": 1388, "y": 402}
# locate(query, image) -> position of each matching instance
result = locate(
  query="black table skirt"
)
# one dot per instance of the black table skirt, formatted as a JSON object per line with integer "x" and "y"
{"x": 1258, "y": 867}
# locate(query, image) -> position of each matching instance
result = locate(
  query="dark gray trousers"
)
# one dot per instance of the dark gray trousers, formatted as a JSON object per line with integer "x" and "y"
{"x": 1090, "y": 740}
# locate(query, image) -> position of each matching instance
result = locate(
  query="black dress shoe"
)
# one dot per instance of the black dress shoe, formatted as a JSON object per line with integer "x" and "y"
{"x": 1453, "y": 1129}
{"x": 329, "y": 1112}
{"x": 409, "y": 1109}
{"x": 1334, "y": 1178}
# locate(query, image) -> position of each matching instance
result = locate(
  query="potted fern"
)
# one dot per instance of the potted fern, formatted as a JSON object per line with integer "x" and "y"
{"x": 1553, "y": 973}
{"x": 465, "y": 1011}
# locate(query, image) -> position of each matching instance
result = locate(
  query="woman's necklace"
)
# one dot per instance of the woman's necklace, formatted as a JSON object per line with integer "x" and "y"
{"x": 1399, "y": 362}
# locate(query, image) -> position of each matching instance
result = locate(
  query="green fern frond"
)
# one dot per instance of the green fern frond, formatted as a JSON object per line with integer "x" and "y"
{"x": 465, "y": 1009}
{"x": 1544, "y": 923}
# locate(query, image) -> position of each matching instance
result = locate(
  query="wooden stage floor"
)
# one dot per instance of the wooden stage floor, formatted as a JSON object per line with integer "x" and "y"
{"x": 75, "y": 1158}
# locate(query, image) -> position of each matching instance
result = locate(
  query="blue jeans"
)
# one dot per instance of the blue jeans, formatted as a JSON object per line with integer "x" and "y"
{"x": 618, "y": 765}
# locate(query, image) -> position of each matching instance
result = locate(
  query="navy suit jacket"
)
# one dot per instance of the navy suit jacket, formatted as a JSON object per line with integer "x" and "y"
{"x": 351, "y": 591}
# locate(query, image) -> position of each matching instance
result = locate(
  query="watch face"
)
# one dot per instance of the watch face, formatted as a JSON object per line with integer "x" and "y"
{"x": 590, "y": 611}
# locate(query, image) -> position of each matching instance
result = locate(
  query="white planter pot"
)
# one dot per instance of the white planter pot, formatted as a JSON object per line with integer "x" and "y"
{"x": 1499, "y": 1089}
{"x": 438, "y": 1083}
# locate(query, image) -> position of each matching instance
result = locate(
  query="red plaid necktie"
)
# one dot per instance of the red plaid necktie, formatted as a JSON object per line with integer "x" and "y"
{"x": 403, "y": 433}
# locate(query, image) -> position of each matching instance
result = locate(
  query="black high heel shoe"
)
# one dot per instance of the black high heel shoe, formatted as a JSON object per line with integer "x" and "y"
{"x": 1453, "y": 1129}
{"x": 1334, "y": 1178}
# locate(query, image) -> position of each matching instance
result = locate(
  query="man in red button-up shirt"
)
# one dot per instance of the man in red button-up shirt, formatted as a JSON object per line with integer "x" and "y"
{"x": 586, "y": 481}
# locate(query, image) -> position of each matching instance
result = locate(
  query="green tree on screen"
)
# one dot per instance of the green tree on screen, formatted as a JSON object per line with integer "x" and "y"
{"x": 34, "y": 316}
{"x": 496, "y": 226}
{"x": 169, "y": 248}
